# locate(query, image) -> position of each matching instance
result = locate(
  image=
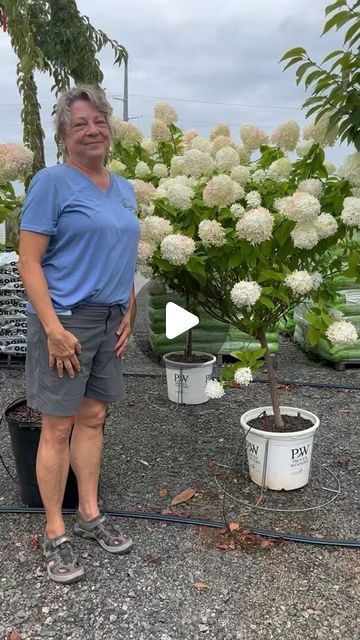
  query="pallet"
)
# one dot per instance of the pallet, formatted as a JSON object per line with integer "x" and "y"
{"x": 12, "y": 361}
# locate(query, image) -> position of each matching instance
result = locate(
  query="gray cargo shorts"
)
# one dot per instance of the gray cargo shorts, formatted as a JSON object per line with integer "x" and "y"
{"x": 100, "y": 376}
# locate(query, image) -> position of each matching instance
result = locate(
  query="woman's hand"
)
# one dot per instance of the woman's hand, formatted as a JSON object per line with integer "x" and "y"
{"x": 123, "y": 333}
{"x": 63, "y": 347}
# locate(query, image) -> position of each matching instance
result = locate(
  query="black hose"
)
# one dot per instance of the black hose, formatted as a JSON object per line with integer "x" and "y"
{"x": 298, "y": 383}
{"x": 200, "y": 522}
{"x": 335, "y": 542}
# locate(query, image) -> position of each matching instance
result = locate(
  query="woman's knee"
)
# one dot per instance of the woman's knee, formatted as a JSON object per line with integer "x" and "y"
{"x": 92, "y": 413}
{"x": 56, "y": 430}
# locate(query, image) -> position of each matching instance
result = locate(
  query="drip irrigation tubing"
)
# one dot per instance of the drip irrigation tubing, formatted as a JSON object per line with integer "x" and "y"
{"x": 289, "y": 537}
{"x": 200, "y": 522}
{"x": 297, "y": 383}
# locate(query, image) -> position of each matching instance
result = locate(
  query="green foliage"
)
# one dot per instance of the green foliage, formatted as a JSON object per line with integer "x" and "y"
{"x": 8, "y": 200}
{"x": 52, "y": 36}
{"x": 335, "y": 82}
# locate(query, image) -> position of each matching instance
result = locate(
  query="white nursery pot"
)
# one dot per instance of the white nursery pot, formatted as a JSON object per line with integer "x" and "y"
{"x": 289, "y": 453}
{"x": 186, "y": 381}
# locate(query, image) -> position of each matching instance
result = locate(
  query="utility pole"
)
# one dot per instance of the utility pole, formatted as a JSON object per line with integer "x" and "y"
{"x": 125, "y": 98}
{"x": 126, "y": 91}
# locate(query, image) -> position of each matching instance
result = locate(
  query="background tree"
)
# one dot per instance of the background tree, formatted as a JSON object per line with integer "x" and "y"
{"x": 335, "y": 82}
{"x": 51, "y": 36}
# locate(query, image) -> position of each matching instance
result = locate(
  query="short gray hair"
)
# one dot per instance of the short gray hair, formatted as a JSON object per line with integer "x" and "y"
{"x": 95, "y": 96}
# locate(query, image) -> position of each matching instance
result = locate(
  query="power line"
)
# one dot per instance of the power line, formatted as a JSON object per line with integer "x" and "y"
{"x": 140, "y": 95}
{"x": 228, "y": 104}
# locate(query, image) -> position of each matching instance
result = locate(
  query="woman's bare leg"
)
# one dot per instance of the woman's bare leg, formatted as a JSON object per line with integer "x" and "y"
{"x": 52, "y": 468}
{"x": 85, "y": 454}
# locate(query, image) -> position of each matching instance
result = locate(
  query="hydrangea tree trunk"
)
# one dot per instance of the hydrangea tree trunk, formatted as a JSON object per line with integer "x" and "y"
{"x": 272, "y": 382}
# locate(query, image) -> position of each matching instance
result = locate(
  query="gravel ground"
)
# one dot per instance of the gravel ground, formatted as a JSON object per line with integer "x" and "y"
{"x": 177, "y": 584}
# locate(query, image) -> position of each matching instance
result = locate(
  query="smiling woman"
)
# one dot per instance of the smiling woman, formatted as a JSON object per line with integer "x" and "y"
{"x": 78, "y": 246}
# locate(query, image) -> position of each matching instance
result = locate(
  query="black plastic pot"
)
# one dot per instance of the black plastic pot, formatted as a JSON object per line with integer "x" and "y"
{"x": 25, "y": 438}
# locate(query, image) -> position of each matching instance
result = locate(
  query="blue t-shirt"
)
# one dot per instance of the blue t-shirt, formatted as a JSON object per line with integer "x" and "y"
{"x": 91, "y": 256}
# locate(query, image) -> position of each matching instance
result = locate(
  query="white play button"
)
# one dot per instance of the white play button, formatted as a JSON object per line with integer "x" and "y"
{"x": 178, "y": 320}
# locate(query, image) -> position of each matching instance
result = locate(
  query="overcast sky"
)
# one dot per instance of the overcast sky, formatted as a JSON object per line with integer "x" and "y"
{"x": 213, "y": 61}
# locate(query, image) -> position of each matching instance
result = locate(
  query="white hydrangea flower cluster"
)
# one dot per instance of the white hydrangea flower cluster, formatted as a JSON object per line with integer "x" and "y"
{"x": 259, "y": 175}
{"x": 245, "y": 294}
{"x": 155, "y": 229}
{"x": 325, "y": 225}
{"x": 179, "y": 192}
{"x": 255, "y": 226}
{"x": 237, "y": 210}
{"x": 302, "y": 282}
{"x": 15, "y": 161}
{"x": 300, "y": 207}
{"x": 350, "y": 169}
{"x": 221, "y": 129}
{"x": 126, "y": 132}
{"x": 198, "y": 163}
{"x": 304, "y": 235}
{"x": 240, "y": 174}
{"x": 253, "y": 199}
{"x": 226, "y": 159}
{"x": 144, "y": 191}
{"x": 253, "y": 137}
{"x": 160, "y": 132}
{"x": 164, "y": 111}
{"x": 313, "y": 186}
{"x": 212, "y": 233}
{"x": 147, "y": 210}
{"x": 142, "y": 170}
{"x": 177, "y": 248}
{"x": 160, "y": 170}
{"x": 149, "y": 146}
{"x": 243, "y": 376}
{"x": 201, "y": 144}
{"x": 145, "y": 252}
{"x": 189, "y": 135}
{"x": 342, "y": 334}
{"x": 177, "y": 166}
{"x": 116, "y": 166}
{"x": 321, "y": 133}
{"x": 279, "y": 169}
{"x": 244, "y": 154}
{"x": 304, "y": 147}
{"x": 214, "y": 389}
{"x": 286, "y": 136}
{"x": 350, "y": 214}
{"x": 218, "y": 143}
{"x": 221, "y": 191}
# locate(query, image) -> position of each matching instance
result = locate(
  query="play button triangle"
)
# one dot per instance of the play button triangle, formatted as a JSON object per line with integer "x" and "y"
{"x": 178, "y": 320}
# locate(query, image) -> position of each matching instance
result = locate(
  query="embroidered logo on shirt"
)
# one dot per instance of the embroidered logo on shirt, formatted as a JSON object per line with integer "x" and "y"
{"x": 128, "y": 204}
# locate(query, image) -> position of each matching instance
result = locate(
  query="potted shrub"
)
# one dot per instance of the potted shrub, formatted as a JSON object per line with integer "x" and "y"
{"x": 148, "y": 163}
{"x": 249, "y": 240}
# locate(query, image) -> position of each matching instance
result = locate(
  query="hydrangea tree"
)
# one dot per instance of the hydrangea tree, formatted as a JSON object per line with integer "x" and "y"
{"x": 15, "y": 164}
{"x": 247, "y": 238}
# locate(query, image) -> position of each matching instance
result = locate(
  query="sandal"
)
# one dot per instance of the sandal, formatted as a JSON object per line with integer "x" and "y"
{"x": 105, "y": 533}
{"x": 62, "y": 563}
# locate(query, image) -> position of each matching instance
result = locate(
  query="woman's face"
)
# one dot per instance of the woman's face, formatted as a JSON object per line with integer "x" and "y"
{"x": 87, "y": 137}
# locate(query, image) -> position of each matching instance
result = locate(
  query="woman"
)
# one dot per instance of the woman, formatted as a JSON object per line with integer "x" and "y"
{"x": 78, "y": 246}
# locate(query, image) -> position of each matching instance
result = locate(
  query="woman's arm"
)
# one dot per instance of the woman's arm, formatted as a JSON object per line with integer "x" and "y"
{"x": 62, "y": 344}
